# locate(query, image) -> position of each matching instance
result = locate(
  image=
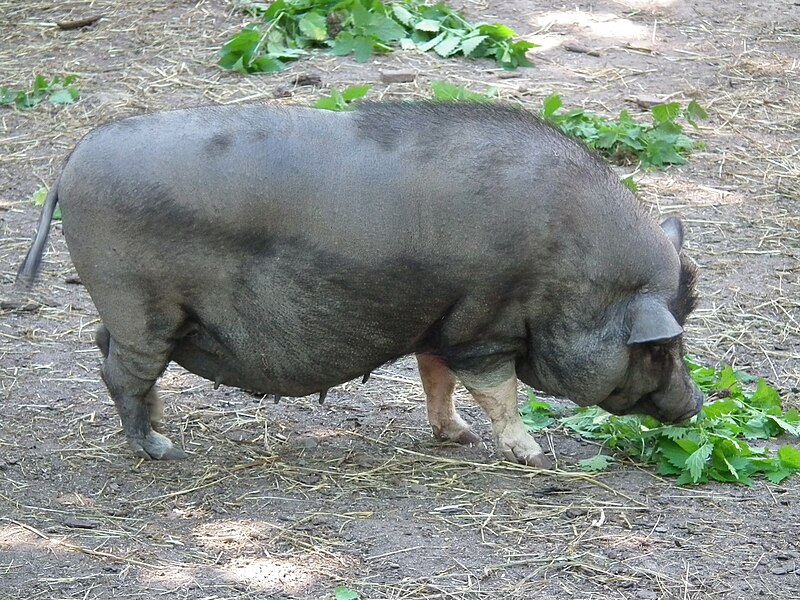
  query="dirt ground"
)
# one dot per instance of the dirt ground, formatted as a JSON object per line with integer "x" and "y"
{"x": 295, "y": 499}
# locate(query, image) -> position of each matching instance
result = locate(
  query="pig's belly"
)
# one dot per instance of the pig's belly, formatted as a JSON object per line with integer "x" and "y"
{"x": 271, "y": 363}
{"x": 295, "y": 323}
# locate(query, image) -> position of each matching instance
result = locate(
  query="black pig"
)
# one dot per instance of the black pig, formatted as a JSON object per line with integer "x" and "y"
{"x": 288, "y": 250}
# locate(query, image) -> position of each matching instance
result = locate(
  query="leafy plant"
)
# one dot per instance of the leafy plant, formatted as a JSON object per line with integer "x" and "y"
{"x": 712, "y": 446}
{"x": 624, "y": 140}
{"x": 363, "y": 27}
{"x": 444, "y": 91}
{"x": 598, "y": 462}
{"x": 342, "y": 593}
{"x": 441, "y": 90}
{"x": 341, "y": 100}
{"x": 56, "y": 91}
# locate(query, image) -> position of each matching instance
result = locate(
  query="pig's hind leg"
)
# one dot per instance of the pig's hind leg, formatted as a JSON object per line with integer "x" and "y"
{"x": 155, "y": 404}
{"x": 130, "y": 375}
{"x": 438, "y": 382}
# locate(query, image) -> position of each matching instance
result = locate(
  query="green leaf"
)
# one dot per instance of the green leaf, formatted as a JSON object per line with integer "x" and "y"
{"x": 694, "y": 112}
{"x": 497, "y": 31}
{"x": 447, "y": 46}
{"x": 275, "y": 9}
{"x": 314, "y": 26}
{"x": 330, "y": 103}
{"x": 39, "y": 86}
{"x": 536, "y": 415}
{"x": 61, "y": 97}
{"x": 362, "y": 48}
{"x": 596, "y": 463}
{"x": 686, "y": 477}
{"x": 778, "y": 475}
{"x": 428, "y": 45}
{"x": 789, "y": 457}
{"x": 384, "y": 28}
{"x": 673, "y": 453}
{"x": 242, "y": 42}
{"x": 667, "y": 468}
{"x": 343, "y": 44}
{"x": 666, "y": 112}
{"x": 266, "y": 64}
{"x": 343, "y": 593}
{"x": 354, "y": 92}
{"x": 470, "y": 44}
{"x": 536, "y": 421}
{"x": 630, "y": 183}
{"x": 765, "y": 397}
{"x": 428, "y": 25}
{"x": 551, "y": 104}
{"x": 758, "y": 427}
{"x": 696, "y": 462}
{"x": 39, "y": 196}
{"x": 444, "y": 91}
{"x": 402, "y": 15}
{"x": 7, "y": 96}
{"x": 341, "y": 100}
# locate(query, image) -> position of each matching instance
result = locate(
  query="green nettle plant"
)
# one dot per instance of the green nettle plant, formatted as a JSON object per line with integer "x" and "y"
{"x": 59, "y": 90}
{"x": 713, "y": 445}
{"x": 289, "y": 29}
{"x": 624, "y": 140}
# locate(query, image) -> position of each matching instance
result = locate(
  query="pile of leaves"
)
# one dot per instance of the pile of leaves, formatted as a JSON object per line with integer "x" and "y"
{"x": 625, "y": 140}
{"x": 289, "y": 29}
{"x": 713, "y": 445}
{"x": 59, "y": 90}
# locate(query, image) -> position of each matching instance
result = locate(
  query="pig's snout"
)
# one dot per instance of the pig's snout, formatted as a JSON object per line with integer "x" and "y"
{"x": 697, "y": 398}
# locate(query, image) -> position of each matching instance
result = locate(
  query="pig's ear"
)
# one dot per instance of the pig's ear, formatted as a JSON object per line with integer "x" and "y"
{"x": 651, "y": 323}
{"x": 674, "y": 230}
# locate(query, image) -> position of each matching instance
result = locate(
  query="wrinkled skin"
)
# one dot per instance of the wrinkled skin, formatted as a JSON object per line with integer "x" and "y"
{"x": 288, "y": 250}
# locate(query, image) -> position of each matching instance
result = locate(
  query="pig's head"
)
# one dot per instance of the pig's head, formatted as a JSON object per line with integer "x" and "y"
{"x": 632, "y": 362}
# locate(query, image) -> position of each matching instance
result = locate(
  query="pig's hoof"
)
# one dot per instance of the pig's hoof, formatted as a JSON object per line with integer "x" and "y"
{"x": 523, "y": 449}
{"x": 156, "y": 447}
{"x": 456, "y": 432}
{"x": 539, "y": 461}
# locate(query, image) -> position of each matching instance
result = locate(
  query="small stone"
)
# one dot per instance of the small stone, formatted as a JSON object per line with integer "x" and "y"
{"x": 309, "y": 443}
{"x": 398, "y": 76}
{"x": 308, "y": 79}
{"x": 580, "y": 49}
{"x": 19, "y": 306}
{"x": 79, "y": 523}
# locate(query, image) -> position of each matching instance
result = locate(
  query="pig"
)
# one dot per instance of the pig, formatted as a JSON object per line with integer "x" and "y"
{"x": 288, "y": 250}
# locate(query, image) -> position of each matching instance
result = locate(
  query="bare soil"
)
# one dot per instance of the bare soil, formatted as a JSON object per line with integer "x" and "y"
{"x": 295, "y": 499}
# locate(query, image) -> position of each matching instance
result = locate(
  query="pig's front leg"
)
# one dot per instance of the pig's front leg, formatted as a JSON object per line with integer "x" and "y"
{"x": 495, "y": 391}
